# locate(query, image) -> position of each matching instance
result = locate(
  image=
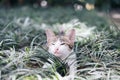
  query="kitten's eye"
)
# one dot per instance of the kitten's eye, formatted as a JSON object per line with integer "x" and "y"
{"x": 62, "y": 44}
{"x": 53, "y": 43}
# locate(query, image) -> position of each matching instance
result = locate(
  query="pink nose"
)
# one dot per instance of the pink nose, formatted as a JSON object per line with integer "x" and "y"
{"x": 56, "y": 50}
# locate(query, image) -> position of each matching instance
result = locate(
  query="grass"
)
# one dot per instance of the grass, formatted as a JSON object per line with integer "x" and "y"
{"x": 23, "y": 51}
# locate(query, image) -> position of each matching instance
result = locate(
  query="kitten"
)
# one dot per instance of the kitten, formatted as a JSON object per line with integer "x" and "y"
{"x": 62, "y": 47}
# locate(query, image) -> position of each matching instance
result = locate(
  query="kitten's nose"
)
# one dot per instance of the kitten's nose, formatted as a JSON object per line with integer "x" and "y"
{"x": 56, "y": 50}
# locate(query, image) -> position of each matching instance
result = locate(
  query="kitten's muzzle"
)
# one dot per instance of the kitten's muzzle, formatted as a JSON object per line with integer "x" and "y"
{"x": 56, "y": 50}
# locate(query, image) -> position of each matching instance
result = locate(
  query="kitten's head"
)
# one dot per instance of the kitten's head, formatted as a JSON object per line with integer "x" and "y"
{"x": 60, "y": 45}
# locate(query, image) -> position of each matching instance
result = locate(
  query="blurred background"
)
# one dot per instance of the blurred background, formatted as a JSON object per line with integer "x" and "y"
{"x": 110, "y": 7}
{"x": 99, "y": 4}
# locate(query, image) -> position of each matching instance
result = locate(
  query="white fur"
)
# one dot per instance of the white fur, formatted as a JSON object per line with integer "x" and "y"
{"x": 63, "y": 51}
{"x": 67, "y": 55}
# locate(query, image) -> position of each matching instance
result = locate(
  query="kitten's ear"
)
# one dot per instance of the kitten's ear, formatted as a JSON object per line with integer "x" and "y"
{"x": 71, "y": 35}
{"x": 50, "y": 35}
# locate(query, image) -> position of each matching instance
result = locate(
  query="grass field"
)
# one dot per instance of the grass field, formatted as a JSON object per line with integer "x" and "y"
{"x": 23, "y": 51}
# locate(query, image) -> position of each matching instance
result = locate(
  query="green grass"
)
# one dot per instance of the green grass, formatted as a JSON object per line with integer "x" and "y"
{"x": 23, "y": 51}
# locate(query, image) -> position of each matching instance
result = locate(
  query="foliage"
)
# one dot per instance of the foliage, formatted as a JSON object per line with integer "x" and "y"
{"x": 23, "y": 50}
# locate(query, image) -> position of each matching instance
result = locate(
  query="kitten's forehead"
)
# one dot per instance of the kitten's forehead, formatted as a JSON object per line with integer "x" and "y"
{"x": 61, "y": 39}
{"x": 64, "y": 39}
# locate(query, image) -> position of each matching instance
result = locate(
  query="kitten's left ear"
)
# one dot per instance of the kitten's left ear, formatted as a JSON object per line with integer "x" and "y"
{"x": 71, "y": 35}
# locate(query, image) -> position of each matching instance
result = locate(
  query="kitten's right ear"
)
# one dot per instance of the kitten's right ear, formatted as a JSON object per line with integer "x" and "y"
{"x": 71, "y": 36}
{"x": 50, "y": 35}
